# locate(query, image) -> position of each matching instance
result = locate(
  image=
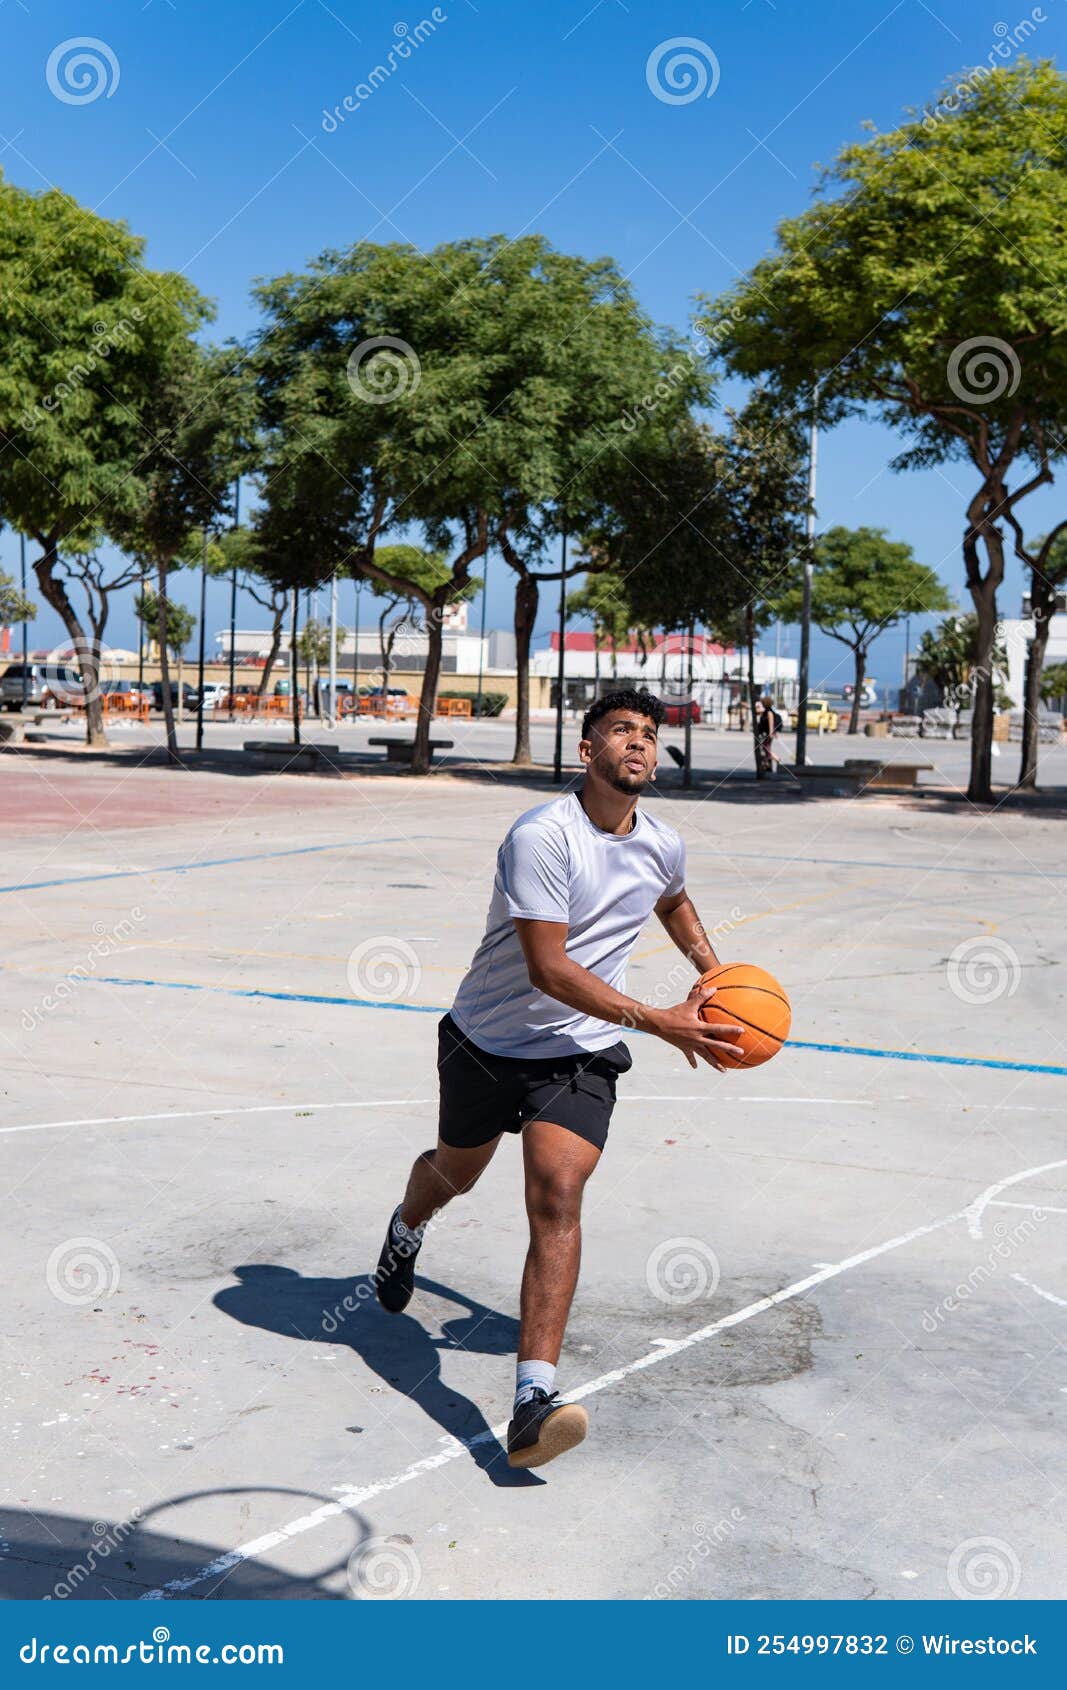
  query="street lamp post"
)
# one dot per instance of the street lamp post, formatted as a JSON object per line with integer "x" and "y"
{"x": 481, "y": 640}
{"x": 805, "y": 612}
{"x": 557, "y": 766}
{"x": 200, "y": 665}
{"x": 25, "y": 648}
{"x": 233, "y": 598}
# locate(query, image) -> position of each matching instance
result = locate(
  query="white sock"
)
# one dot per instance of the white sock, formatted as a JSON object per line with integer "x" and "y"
{"x": 531, "y": 1376}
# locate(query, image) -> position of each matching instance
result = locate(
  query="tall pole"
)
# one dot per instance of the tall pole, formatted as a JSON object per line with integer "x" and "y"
{"x": 355, "y": 654}
{"x": 557, "y": 768}
{"x": 481, "y": 639}
{"x": 200, "y": 665}
{"x": 907, "y": 659}
{"x": 687, "y": 772}
{"x": 294, "y": 669}
{"x": 25, "y": 648}
{"x": 140, "y": 638}
{"x": 233, "y": 597}
{"x": 776, "y": 690}
{"x": 333, "y": 651}
{"x": 805, "y": 611}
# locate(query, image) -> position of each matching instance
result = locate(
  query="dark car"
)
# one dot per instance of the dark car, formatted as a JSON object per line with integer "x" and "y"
{"x": 188, "y": 694}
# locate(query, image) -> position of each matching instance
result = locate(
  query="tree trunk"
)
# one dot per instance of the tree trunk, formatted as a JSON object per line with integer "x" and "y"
{"x": 173, "y": 755}
{"x": 1043, "y": 604}
{"x": 750, "y": 646}
{"x": 275, "y": 647}
{"x": 420, "y": 757}
{"x": 527, "y": 594}
{"x": 181, "y": 694}
{"x": 55, "y": 594}
{"x": 294, "y": 669}
{"x": 860, "y": 655}
{"x": 980, "y": 790}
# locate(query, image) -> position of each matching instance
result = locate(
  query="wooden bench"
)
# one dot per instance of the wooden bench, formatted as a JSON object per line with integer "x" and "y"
{"x": 403, "y": 750}
{"x": 865, "y": 774}
{"x": 275, "y": 754}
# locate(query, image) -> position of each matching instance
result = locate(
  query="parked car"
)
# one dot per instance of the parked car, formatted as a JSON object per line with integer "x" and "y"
{"x": 680, "y": 710}
{"x": 188, "y": 695}
{"x": 42, "y": 684}
{"x": 819, "y": 716}
{"x": 127, "y": 689}
{"x": 214, "y": 693}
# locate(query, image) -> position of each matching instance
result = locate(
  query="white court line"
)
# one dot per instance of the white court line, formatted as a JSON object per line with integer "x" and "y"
{"x": 975, "y": 1210}
{"x": 1048, "y": 1295}
{"x": 221, "y": 1109}
{"x": 354, "y": 1496}
{"x": 1046, "y": 1208}
{"x": 376, "y": 1103}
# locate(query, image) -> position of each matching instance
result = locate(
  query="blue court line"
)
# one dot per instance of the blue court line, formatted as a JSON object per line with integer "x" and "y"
{"x": 874, "y": 862}
{"x": 205, "y": 862}
{"x": 441, "y": 1009}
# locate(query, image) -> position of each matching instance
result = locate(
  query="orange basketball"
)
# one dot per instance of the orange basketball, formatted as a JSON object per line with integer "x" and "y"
{"x": 754, "y": 1000}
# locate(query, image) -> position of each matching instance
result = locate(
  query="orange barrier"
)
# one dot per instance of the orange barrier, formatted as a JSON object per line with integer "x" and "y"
{"x": 454, "y": 707}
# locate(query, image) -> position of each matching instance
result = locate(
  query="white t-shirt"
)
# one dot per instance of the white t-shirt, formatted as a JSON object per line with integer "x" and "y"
{"x": 555, "y": 865}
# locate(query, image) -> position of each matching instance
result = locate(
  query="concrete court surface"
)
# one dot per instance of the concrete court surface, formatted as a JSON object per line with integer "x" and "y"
{"x": 821, "y": 1317}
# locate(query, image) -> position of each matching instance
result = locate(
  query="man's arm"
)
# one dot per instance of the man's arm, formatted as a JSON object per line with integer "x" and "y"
{"x": 678, "y": 915}
{"x": 552, "y": 971}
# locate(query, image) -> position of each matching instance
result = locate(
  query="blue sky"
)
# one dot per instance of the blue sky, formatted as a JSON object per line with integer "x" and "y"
{"x": 506, "y": 118}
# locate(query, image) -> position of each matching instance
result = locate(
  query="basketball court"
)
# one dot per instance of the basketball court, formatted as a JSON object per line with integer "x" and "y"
{"x": 820, "y": 1324}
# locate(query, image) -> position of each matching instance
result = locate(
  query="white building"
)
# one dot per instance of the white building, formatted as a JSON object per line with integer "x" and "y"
{"x": 1016, "y": 636}
{"x": 720, "y": 673}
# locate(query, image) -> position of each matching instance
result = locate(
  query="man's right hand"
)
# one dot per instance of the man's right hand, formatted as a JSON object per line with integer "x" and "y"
{"x": 683, "y": 1026}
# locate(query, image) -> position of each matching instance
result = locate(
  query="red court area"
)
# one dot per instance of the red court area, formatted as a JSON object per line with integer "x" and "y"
{"x": 48, "y": 793}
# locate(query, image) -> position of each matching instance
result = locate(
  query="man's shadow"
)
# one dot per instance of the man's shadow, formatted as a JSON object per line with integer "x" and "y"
{"x": 395, "y": 1346}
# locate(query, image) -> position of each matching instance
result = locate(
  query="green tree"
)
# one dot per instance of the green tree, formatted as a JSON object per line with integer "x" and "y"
{"x": 15, "y": 607}
{"x": 174, "y": 629}
{"x": 903, "y": 291}
{"x": 242, "y": 548}
{"x": 1047, "y": 562}
{"x": 84, "y": 325}
{"x": 196, "y": 422}
{"x": 467, "y": 392}
{"x": 602, "y": 597}
{"x": 952, "y": 655}
{"x": 1054, "y": 683}
{"x": 863, "y": 584}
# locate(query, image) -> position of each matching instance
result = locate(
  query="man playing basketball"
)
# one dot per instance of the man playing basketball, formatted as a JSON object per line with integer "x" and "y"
{"x": 531, "y": 1044}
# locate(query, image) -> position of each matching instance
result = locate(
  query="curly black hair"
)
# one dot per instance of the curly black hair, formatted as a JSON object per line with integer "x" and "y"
{"x": 633, "y": 698}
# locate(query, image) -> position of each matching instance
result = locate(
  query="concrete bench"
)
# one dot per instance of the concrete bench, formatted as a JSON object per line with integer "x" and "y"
{"x": 863, "y": 774}
{"x": 871, "y": 773}
{"x": 403, "y": 750}
{"x": 12, "y": 733}
{"x": 275, "y": 754}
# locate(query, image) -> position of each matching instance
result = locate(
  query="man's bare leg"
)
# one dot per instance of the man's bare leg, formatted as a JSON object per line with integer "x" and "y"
{"x": 558, "y": 1163}
{"x": 440, "y": 1174}
{"x": 437, "y": 1176}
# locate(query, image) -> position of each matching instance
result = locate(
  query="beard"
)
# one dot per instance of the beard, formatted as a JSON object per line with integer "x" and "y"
{"x": 624, "y": 781}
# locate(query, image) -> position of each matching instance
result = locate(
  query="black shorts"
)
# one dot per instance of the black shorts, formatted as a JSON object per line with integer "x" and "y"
{"x": 483, "y": 1095}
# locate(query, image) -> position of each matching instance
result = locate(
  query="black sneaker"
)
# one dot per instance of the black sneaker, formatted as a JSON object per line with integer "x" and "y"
{"x": 394, "y": 1278}
{"x": 543, "y": 1428}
